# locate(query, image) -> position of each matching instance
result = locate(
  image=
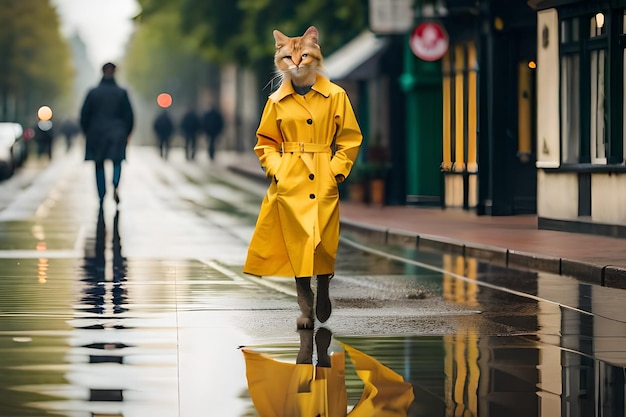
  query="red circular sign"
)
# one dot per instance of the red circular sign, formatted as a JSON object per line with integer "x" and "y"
{"x": 429, "y": 41}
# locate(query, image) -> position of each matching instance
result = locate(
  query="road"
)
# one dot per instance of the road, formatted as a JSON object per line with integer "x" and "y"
{"x": 142, "y": 309}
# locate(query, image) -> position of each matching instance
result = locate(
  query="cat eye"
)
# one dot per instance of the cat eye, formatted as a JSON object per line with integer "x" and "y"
{"x": 305, "y": 55}
{"x": 287, "y": 57}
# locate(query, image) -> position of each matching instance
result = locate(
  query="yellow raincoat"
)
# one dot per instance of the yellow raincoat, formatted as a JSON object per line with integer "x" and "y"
{"x": 303, "y": 142}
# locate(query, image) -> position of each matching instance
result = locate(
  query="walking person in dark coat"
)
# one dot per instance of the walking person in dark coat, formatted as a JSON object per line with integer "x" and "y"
{"x": 212, "y": 124}
{"x": 163, "y": 127}
{"x": 190, "y": 125}
{"x": 107, "y": 120}
{"x": 69, "y": 129}
{"x": 44, "y": 136}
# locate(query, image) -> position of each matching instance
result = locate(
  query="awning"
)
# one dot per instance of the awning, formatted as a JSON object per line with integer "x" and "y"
{"x": 358, "y": 59}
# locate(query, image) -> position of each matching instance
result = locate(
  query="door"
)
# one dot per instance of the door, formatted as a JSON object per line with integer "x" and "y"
{"x": 524, "y": 172}
{"x": 512, "y": 123}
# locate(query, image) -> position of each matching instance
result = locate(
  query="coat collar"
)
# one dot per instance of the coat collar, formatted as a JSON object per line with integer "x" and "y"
{"x": 108, "y": 80}
{"x": 322, "y": 86}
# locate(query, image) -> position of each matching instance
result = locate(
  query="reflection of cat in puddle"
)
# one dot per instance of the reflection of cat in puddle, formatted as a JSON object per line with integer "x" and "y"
{"x": 283, "y": 389}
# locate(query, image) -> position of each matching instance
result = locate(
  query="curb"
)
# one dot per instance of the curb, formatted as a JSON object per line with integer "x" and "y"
{"x": 604, "y": 275}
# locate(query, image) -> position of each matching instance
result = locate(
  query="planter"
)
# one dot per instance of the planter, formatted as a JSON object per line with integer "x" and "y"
{"x": 377, "y": 191}
{"x": 356, "y": 192}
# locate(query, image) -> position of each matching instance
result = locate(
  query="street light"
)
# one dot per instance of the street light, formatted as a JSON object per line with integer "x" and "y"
{"x": 44, "y": 113}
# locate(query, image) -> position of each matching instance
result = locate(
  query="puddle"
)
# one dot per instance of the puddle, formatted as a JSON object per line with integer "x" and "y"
{"x": 466, "y": 375}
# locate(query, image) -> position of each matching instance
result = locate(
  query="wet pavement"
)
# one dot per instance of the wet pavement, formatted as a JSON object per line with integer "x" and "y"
{"x": 142, "y": 310}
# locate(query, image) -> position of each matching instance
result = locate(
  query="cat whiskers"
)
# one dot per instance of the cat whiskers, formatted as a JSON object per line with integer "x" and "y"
{"x": 275, "y": 81}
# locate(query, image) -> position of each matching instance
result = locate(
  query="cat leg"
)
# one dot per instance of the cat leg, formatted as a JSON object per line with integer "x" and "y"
{"x": 305, "y": 301}
{"x": 323, "y": 307}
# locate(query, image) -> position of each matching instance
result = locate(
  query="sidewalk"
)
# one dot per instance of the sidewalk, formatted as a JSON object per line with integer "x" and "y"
{"x": 508, "y": 240}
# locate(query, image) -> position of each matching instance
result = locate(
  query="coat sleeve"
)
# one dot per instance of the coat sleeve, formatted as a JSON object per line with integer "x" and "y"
{"x": 269, "y": 139}
{"x": 129, "y": 117}
{"x": 85, "y": 113}
{"x": 348, "y": 137}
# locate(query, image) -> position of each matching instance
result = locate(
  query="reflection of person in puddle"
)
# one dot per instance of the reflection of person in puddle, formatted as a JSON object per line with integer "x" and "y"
{"x": 95, "y": 269}
{"x": 282, "y": 389}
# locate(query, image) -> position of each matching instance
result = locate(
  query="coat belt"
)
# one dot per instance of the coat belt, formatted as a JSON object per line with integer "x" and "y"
{"x": 304, "y": 147}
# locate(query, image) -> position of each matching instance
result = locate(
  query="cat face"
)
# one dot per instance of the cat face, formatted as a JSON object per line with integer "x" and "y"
{"x": 298, "y": 58}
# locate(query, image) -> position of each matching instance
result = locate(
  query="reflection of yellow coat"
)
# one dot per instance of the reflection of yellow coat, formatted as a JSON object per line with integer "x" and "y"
{"x": 297, "y": 231}
{"x": 281, "y": 389}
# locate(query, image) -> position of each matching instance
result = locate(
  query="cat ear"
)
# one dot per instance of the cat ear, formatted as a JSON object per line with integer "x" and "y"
{"x": 280, "y": 38}
{"x": 312, "y": 33}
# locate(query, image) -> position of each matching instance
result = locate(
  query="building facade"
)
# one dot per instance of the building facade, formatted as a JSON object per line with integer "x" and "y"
{"x": 471, "y": 115}
{"x": 580, "y": 117}
{"x": 489, "y": 107}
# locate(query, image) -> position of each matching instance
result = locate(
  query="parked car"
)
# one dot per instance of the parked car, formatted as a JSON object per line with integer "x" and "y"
{"x": 13, "y": 151}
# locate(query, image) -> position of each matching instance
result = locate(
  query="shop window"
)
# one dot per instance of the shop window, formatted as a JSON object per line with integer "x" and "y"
{"x": 570, "y": 105}
{"x": 460, "y": 83}
{"x": 622, "y": 40}
{"x": 570, "y": 90}
{"x": 460, "y": 118}
{"x": 592, "y": 94}
{"x": 598, "y": 134}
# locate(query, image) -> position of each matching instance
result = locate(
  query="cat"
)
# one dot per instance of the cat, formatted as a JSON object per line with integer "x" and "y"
{"x": 298, "y": 59}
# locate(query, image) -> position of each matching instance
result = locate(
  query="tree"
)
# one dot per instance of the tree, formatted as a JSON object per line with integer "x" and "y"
{"x": 35, "y": 64}
{"x": 241, "y": 32}
{"x": 162, "y": 58}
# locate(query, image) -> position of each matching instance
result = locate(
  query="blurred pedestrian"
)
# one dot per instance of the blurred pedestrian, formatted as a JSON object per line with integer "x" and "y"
{"x": 163, "y": 128}
{"x": 212, "y": 124}
{"x": 44, "y": 137}
{"x": 190, "y": 125}
{"x": 69, "y": 128}
{"x": 107, "y": 120}
{"x": 307, "y": 141}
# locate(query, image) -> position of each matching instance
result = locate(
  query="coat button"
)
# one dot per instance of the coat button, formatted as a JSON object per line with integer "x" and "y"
{"x": 311, "y": 196}
{"x": 311, "y": 177}
{"x": 309, "y": 121}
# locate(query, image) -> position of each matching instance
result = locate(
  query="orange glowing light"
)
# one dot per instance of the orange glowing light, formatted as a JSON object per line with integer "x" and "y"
{"x": 164, "y": 100}
{"x": 42, "y": 270}
{"x": 44, "y": 113}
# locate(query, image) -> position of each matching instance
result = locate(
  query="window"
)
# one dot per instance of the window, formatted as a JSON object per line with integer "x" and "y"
{"x": 622, "y": 42}
{"x": 570, "y": 105}
{"x": 460, "y": 89}
{"x": 460, "y": 118}
{"x": 598, "y": 134}
{"x": 593, "y": 103}
{"x": 570, "y": 91}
